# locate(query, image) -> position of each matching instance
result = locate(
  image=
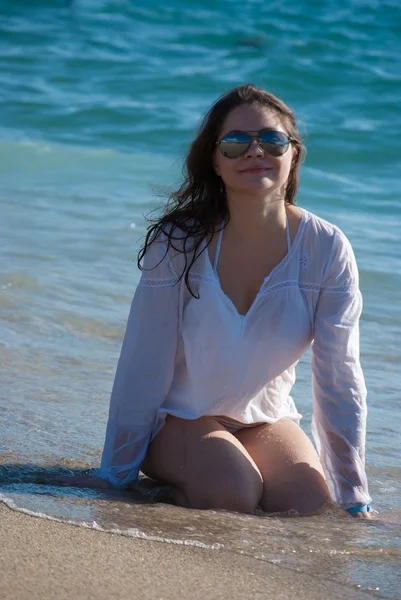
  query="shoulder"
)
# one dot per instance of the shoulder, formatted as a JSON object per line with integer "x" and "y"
{"x": 156, "y": 259}
{"x": 170, "y": 246}
{"x": 327, "y": 236}
{"x": 332, "y": 250}
{"x": 324, "y": 230}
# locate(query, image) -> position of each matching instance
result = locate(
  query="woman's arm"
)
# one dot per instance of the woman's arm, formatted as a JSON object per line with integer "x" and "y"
{"x": 145, "y": 368}
{"x": 338, "y": 386}
{"x": 144, "y": 374}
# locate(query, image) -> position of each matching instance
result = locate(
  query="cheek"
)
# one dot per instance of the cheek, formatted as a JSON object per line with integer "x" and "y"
{"x": 218, "y": 163}
{"x": 286, "y": 169}
{"x": 285, "y": 166}
{"x": 226, "y": 169}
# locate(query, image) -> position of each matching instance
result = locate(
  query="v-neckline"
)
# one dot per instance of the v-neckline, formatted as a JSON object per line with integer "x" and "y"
{"x": 279, "y": 266}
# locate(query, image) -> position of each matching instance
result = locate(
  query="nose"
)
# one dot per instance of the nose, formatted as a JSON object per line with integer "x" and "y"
{"x": 254, "y": 149}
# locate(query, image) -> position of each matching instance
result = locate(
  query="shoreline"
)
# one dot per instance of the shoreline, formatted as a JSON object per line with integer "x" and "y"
{"x": 46, "y": 559}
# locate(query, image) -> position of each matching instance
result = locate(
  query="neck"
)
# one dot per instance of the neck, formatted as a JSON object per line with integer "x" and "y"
{"x": 252, "y": 219}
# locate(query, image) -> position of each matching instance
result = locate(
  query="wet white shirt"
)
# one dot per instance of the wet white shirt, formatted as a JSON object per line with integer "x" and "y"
{"x": 192, "y": 357}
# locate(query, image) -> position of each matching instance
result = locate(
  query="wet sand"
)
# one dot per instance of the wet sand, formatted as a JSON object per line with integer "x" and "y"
{"x": 42, "y": 559}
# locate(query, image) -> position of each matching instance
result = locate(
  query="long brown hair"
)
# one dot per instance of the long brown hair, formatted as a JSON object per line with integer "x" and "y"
{"x": 200, "y": 204}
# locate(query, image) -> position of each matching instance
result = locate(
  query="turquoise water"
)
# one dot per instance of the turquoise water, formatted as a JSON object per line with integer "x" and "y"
{"x": 99, "y": 101}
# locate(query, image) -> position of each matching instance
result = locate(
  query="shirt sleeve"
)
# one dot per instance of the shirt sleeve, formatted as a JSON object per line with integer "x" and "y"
{"x": 145, "y": 368}
{"x": 338, "y": 385}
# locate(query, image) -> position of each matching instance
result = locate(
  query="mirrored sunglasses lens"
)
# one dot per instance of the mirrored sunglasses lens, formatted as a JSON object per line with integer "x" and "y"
{"x": 274, "y": 149}
{"x": 234, "y": 145}
{"x": 275, "y": 143}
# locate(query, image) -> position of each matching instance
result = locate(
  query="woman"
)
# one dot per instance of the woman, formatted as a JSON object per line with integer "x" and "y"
{"x": 237, "y": 283}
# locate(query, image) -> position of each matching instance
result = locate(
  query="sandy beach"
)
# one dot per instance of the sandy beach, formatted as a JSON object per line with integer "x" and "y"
{"x": 42, "y": 559}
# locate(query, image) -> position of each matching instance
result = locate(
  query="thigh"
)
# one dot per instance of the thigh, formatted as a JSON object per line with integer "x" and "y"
{"x": 289, "y": 464}
{"x": 206, "y": 463}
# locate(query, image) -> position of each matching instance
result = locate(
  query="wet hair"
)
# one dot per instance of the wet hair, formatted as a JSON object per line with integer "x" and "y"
{"x": 199, "y": 206}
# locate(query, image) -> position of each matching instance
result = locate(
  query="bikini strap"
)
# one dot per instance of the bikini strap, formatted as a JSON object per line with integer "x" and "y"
{"x": 216, "y": 256}
{"x": 288, "y": 234}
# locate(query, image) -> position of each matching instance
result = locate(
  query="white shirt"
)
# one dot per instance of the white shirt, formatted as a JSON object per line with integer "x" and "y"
{"x": 192, "y": 357}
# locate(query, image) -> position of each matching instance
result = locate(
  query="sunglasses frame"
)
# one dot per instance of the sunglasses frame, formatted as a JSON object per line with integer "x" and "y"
{"x": 254, "y": 135}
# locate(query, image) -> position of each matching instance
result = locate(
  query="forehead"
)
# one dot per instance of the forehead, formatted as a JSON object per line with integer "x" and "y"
{"x": 251, "y": 117}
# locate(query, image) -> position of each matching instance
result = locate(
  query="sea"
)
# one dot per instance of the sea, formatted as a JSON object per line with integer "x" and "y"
{"x": 99, "y": 102}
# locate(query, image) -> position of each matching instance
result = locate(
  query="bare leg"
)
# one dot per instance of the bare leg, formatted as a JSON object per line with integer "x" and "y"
{"x": 206, "y": 464}
{"x": 290, "y": 467}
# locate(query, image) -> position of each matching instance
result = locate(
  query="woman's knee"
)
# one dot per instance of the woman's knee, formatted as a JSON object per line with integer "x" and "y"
{"x": 226, "y": 477}
{"x": 237, "y": 490}
{"x": 304, "y": 490}
{"x": 290, "y": 467}
{"x": 311, "y": 489}
{"x": 206, "y": 464}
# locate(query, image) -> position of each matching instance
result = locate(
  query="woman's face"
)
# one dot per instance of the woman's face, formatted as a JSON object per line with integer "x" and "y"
{"x": 256, "y": 171}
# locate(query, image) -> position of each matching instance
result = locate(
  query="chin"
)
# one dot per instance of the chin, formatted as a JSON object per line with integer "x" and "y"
{"x": 256, "y": 186}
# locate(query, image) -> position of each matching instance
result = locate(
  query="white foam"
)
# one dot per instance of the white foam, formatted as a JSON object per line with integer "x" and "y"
{"x": 135, "y": 533}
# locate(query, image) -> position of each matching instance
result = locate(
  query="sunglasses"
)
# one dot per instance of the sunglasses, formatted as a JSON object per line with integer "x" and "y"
{"x": 237, "y": 143}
